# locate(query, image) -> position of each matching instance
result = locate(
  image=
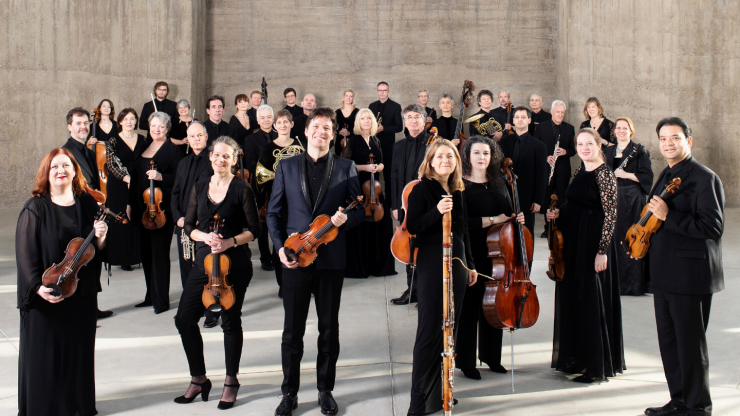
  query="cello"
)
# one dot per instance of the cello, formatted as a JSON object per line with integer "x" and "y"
{"x": 403, "y": 243}
{"x": 371, "y": 190}
{"x": 218, "y": 294}
{"x": 556, "y": 262}
{"x": 153, "y": 217}
{"x": 468, "y": 88}
{"x": 101, "y": 157}
{"x": 637, "y": 241}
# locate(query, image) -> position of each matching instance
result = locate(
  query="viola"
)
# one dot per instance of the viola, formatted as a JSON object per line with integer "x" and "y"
{"x": 218, "y": 294}
{"x": 468, "y": 88}
{"x": 403, "y": 243}
{"x": 371, "y": 190}
{"x": 343, "y": 142}
{"x": 101, "y": 157}
{"x": 556, "y": 262}
{"x": 511, "y": 302}
{"x": 510, "y": 130}
{"x": 61, "y": 277}
{"x": 242, "y": 173}
{"x": 153, "y": 217}
{"x": 302, "y": 247}
{"x": 637, "y": 241}
{"x": 429, "y": 123}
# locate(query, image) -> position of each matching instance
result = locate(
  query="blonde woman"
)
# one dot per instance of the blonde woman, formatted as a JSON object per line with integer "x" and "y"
{"x": 346, "y": 117}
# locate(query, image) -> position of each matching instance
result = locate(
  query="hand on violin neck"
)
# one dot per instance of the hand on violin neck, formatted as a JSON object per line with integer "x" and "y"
{"x": 444, "y": 205}
{"x": 153, "y": 174}
{"x": 551, "y": 215}
{"x": 339, "y": 218}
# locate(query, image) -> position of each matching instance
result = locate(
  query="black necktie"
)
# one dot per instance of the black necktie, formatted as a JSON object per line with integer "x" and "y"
{"x": 517, "y": 146}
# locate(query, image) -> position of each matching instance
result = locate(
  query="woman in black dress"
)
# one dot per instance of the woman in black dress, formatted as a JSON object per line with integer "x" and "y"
{"x": 123, "y": 247}
{"x": 56, "y": 364}
{"x": 634, "y": 182}
{"x": 346, "y": 117}
{"x": 280, "y": 148}
{"x": 234, "y": 201}
{"x": 240, "y": 120}
{"x": 105, "y": 126}
{"x": 594, "y": 113}
{"x": 179, "y": 133}
{"x": 441, "y": 175}
{"x": 368, "y": 243}
{"x": 588, "y": 313}
{"x": 155, "y": 244}
{"x": 488, "y": 203}
{"x": 446, "y": 124}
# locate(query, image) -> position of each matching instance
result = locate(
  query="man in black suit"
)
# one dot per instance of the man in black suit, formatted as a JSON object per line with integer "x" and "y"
{"x": 501, "y": 113}
{"x": 314, "y": 183}
{"x": 255, "y": 99}
{"x": 409, "y": 155}
{"x": 538, "y": 114}
{"x": 422, "y": 97}
{"x": 552, "y": 132}
{"x": 290, "y": 96}
{"x": 78, "y": 124}
{"x": 530, "y": 165}
{"x": 161, "y": 91}
{"x": 215, "y": 126}
{"x": 299, "y": 121}
{"x": 391, "y": 123}
{"x": 685, "y": 266}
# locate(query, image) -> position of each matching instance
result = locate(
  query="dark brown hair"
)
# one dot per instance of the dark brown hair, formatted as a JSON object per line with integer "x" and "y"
{"x": 240, "y": 97}
{"x": 290, "y": 89}
{"x": 41, "y": 183}
{"x": 323, "y": 112}
{"x": 123, "y": 115}
{"x": 214, "y": 98}
{"x": 161, "y": 84}
{"x": 112, "y": 115}
{"x": 77, "y": 111}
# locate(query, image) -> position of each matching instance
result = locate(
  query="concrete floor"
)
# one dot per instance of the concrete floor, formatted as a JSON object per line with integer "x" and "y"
{"x": 141, "y": 365}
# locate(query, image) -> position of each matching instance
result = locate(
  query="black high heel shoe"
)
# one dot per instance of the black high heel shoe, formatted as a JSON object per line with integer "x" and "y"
{"x": 205, "y": 388}
{"x": 228, "y": 405}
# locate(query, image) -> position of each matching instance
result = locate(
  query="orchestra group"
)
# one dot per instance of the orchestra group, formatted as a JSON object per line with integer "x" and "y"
{"x": 328, "y": 187}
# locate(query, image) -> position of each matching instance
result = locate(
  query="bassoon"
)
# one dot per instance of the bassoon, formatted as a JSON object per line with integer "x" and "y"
{"x": 448, "y": 315}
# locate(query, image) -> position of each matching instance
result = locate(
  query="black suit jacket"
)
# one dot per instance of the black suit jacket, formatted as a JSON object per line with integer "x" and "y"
{"x": 546, "y": 135}
{"x": 166, "y": 106}
{"x": 185, "y": 180}
{"x": 290, "y": 210}
{"x": 531, "y": 169}
{"x": 392, "y": 121}
{"x": 222, "y": 129}
{"x": 399, "y": 168}
{"x": 89, "y": 172}
{"x": 685, "y": 255}
{"x": 253, "y": 145}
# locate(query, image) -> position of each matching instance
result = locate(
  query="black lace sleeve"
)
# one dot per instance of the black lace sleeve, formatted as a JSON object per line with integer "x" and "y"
{"x": 608, "y": 190}
{"x": 191, "y": 216}
{"x": 115, "y": 167}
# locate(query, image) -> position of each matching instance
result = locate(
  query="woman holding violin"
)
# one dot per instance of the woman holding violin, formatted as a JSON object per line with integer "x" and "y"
{"x": 630, "y": 162}
{"x": 123, "y": 247}
{"x": 441, "y": 176}
{"x": 56, "y": 365}
{"x": 155, "y": 242}
{"x": 233, "y": 200}
{"x": 346, "y": 120}
{"x": 488, "y": 202}
{"x": 368, "y": 243}
{"x": 588, "y": 313}
{"x": 594, "y": 114}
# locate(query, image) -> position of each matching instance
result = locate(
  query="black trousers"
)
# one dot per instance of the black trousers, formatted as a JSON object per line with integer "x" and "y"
{"x": 191, "y": 309}
{"x": 263, "y": 242}
{"x": 185, "y": 265}
{"x": 278, "y": 266}
{"x": 682, "y": 322}
{"x": 298, "y": 285}
{"x": 155, "y": 258}
{"x": 529, "y": 218}
{"x": 557, "y": 186}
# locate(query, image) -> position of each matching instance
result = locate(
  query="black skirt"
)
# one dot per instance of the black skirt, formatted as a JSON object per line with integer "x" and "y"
{"x": 631, "y": 272}
{"x": 369, "y": 247}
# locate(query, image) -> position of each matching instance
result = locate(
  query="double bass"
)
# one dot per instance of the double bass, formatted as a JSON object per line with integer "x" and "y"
{"x": 637, "y": 241}
{"x": 153, "y": 217}
{"x": 61, "y": 277}
{"x": 218, "y": 294}
{"x": 556, "y": 262}
{"x": 468, "y": 88}
{"x": 371, "y": 190}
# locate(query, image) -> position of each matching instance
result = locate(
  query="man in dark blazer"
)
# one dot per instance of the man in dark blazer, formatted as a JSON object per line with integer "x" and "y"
{"x": 409, "y": 155}
{"x": 161, "y": 91}
{"x": 530, "y": 165}
{"x": 299, "y": 121}
{"x": 255, "y": 99}
{"x": 391, "y": 123}
{"x": 314, "y": 183}
{"x": 550, "y": 132}
{"x": 539, "y": 115}
{"x": 685, "y": 266}
{"x": 215, "y": 126}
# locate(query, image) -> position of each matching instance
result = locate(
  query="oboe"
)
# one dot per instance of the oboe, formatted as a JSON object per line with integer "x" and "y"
{"x": 555, "y": 155}
{"x": 448, "y": 315}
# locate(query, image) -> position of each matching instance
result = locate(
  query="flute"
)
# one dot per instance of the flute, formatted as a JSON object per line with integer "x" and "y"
{"x": 554, "y": 154}
{"x": 154, "y": 101}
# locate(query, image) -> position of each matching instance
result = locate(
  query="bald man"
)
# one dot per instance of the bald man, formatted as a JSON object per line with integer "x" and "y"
{"x": 538, "y": 114}
{"x": 299, "y": 122}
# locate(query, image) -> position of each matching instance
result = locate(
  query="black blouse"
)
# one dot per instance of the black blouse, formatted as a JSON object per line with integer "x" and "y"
{"x": 484, "y": 200}
{"x": 606, "y": 130}
{"x": 445, "y": 127}
{"x": 639, "y": 164}
{"x": 238, "y": 209}
{"x": 269, "y": 160}
{"x": 102, "y": 135}
{"x": 349, "y": 121}
{"x": 359, "y": 152}
{"x": 425, "y": 221}
{"x": 241, "y": 132}
{"x": 604, "y": 195}
{"x": 166, "y": 160}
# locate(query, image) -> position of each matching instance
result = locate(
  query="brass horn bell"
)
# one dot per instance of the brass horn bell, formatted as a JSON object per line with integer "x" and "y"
{"x": 263, "y": 174}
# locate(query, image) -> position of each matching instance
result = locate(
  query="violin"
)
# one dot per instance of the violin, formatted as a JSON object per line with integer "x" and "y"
{"x": 510, "y": 130}
{"x": 61, "y": 277}
{"x": 242, "y": 173}
{"x": 433, "y": 137}
{"x": 556, "y": 262}
{"x": 429, "y": 123}
{"x": 343, "y": 142}
{"x": 637, "y": 241}
{"x": 218, "y": 294}
{"x": 101, "y": 157}
{"x": 468, "y": 88}
{"x": 403, "y": 243}
{"x": 512, "y": 301}
{"x": 302, "y": 247}
{"x": 371, "y": 190}
{"x": 153, "y": 217}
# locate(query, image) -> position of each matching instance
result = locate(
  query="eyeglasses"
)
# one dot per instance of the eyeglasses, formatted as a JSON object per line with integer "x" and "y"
{"x": 417, "y": 118}
{"x": 382, "y": 90}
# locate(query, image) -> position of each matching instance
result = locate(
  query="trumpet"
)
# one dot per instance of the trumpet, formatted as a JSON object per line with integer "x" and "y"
{"x": 554, "y": 154}
{"x": 188, "y": 247}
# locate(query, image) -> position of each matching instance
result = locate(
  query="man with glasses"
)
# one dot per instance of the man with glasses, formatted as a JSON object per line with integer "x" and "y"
{"x": 290, "y": 96}
{"x": 388, "y": 114}
{"x": 161, "y": 90}
{"x": 422, "y": 97}
{"x": 299, "y": 121}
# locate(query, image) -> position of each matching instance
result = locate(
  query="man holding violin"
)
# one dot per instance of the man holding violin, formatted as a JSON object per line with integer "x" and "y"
{"x": 300, "y": 193}
{"x": 685, "y": 267}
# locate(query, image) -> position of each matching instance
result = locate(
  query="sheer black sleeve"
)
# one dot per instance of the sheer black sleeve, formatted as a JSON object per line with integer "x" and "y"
{"x": 608, "y": 190}
{"x": 249, "y": 206}
{"x": 115, "y": 167}
{"x": 466, "y": 233}
{"x": 191, "y": 216}
{"x": 644, "y": 170}
{"x": 28, "y": 255}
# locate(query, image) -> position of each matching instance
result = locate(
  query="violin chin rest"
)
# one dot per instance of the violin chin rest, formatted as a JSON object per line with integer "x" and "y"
{"x": 290, "y": 255}
{"x": 214, "y": 308}
{"x": 56, "y": 290}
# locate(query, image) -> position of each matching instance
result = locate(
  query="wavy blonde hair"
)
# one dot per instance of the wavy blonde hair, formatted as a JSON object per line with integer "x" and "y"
{"x": 454, "y": 182}
{"x": 373, "y": 129}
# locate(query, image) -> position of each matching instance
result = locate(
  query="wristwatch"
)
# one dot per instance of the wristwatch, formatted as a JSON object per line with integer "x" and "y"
{"x": 490, "y": 219}
{"x": 235, "y": 243}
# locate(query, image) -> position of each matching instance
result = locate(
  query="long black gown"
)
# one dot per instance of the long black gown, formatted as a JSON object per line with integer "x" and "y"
{"x": 179, "y": 131}
{"x": 588, "y": 313}
{"x": 341, "y": 122}
{"x": 631, "y": 200}
{"x": 369, "y": 243}
{"x": 425, "y": 221}
{"x": 123, "y": 242}
{"x": 483, "y": 200}
{"x": 102, "y": 135}
{"x": 56, "y": 364}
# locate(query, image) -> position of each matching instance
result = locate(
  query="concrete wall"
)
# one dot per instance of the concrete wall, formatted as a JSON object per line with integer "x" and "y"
{"x": 650, "y": 59}
{"x": 57, "y": 55}
{"x": 326, "y": 46}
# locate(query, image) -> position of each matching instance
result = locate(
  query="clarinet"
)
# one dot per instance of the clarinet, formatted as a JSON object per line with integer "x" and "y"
{"x": 448, "y": 315}
{"x": 554, "y": 154}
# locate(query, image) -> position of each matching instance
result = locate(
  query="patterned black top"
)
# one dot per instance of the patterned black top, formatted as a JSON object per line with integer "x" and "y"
{"x": 607, "y": 189}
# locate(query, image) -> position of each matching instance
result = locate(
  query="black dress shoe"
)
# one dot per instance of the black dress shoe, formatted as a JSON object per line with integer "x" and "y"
{"x": 205, "y": 388}
{"x": 327, "y": 403}
{"x": 544, "y": 234}
{"x": 288, "y": 403}
{"x": 211, "y": 321}
{"x": 667, "y": 410}
{"x": 158, "y": 311}
{"x": 104, "y": 314}
{"x": 143, "y": 304}
{"x": 471, "y": 373}
{"x": 268, "y": 267}
{"x": 404, "y": 299}
{"x": 228, "y": 405}
{"x": 127, "y": 268}
{"x": 497, "y": 368}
